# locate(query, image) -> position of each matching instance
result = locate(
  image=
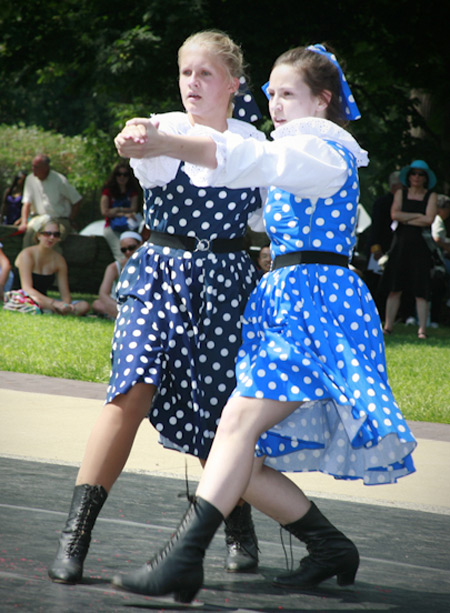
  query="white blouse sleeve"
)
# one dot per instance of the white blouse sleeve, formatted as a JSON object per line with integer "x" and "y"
{"x": 304, "y": 165}
{"x": 158, "y": 171}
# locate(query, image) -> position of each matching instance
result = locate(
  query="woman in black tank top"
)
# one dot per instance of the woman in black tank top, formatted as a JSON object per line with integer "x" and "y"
{"x": 40, "y": 266}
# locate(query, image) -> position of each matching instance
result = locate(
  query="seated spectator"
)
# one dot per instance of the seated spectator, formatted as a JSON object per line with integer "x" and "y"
{"x": 6, "y": 275}
{"x": 47, "y": 193}
{"x": 119, "y": 205}
{"x": 40, "y": 266}
{"x": 264, "y": 261}
{"x": 440, "y": 283}
{"x": 11, "y": 209}
{"x": 106, "y": 303}
{"x": 439, "y": 231}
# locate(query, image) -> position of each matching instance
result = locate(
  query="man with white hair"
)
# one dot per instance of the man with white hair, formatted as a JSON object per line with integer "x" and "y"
{"x": 47, "y": 192}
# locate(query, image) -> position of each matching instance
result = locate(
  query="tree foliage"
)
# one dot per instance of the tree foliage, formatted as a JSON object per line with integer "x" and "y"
{"x": 84, "y": 66}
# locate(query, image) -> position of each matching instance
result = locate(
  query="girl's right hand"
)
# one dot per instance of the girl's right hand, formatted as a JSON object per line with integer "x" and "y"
{"x": 136, "y": 138}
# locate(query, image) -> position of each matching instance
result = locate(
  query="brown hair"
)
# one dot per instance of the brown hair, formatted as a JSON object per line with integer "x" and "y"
{"x": 319, "y": 74}
{"x": 111, "y": 181}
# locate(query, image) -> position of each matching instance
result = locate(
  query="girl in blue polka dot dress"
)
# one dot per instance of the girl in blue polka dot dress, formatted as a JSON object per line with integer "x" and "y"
{"x": 312, "y": 390}
{"x": 181, "y": 300}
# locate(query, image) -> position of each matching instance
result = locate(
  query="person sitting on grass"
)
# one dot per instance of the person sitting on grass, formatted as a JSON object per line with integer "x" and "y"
{"x": 106, "y": 303}
{"x": 5, "y": 273}
{"x": 39, "y": 266}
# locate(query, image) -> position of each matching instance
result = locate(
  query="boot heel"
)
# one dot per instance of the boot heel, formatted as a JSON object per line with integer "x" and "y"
{"x": 186, "y": 596}
{"x": 347, "y": 578}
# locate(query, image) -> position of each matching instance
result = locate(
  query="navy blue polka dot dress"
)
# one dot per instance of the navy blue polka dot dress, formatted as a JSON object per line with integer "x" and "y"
{"x": 179, "y": 322}
{"x": 311, "y": 332}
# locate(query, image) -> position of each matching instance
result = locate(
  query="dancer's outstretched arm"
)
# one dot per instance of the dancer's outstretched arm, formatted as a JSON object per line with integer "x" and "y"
{"x": 141, "y": 138}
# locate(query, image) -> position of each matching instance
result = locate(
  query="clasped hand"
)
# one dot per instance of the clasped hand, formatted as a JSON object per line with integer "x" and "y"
{"x": 139, "y": 138}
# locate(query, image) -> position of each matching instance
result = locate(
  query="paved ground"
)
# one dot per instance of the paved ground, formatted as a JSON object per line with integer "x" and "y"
{"x": 402, "y": 530}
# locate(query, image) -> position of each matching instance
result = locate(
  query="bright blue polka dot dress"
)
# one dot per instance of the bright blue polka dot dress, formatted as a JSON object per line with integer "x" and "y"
{"x": 179, "y": 325}
{"x": 312, "y": 334}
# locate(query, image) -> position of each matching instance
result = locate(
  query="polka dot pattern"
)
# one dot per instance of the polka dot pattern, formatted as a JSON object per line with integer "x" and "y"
{"x": 312, "y": 334}
{"x": 179, "y": 324}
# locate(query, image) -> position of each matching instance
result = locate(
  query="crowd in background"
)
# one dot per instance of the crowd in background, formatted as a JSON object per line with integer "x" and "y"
{"x": 411, "y": 291}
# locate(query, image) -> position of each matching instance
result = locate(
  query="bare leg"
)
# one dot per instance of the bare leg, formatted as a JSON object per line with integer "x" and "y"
{"x": 81, "y": 308}
{"x": 107, "y": 451}
{"x": 268, "y": 487}
{"x": 112, "y": 437}
{"x": 230, "y": 466}
{"x": 422, "y": 314}
{"x": 231, "y": 472}
{"x": 103, "y": 306}
{"x": 392, "y": 306}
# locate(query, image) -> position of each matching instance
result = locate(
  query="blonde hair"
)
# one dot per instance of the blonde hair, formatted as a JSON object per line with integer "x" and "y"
{"x": 222, "y": 46}
{"x": 45, "y": 222}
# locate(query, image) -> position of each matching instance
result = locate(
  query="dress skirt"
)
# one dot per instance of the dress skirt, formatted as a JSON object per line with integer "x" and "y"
{"x": 179, "y": 329}
{"x": 312, "y": 334}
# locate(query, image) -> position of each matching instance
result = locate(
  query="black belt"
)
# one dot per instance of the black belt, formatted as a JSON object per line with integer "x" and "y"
{"x": 190, "y": 243}
{"x": 309, "y": 257}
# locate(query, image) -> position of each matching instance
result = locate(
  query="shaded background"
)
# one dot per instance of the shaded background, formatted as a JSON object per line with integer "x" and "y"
{"x": 80, "y": 68}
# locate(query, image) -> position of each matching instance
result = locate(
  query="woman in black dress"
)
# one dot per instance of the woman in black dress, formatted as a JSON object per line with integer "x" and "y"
{"x": 409, "y": 266}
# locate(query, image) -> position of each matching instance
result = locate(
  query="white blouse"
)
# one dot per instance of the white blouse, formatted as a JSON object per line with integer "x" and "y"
{"x": 298, "y": 160}
{"x": 159, "y": 171}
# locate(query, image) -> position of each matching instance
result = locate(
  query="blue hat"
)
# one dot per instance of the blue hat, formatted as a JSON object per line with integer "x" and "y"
{"x": 423, "y": 166}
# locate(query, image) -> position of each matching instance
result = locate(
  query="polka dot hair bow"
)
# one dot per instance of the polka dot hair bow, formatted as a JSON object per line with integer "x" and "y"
{"x": 351, "y": 110}
{"x": 244, "y": 105}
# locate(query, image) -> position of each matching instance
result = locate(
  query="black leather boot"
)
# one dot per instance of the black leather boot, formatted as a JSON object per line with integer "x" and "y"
{"x": 241, "y": 541}
{"x": 330, "y": 553}
{"x": 178, "y": 568}
{"x": 87, "y": 501}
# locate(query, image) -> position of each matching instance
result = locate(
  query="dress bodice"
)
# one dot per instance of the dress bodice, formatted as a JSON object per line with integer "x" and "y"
{"x": 173, "y": 204}
{"x": 182, "y": 208}
{"x": 327, "y": 224}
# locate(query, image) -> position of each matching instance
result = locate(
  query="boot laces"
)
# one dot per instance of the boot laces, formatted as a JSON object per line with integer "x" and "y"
{"x": 289, "y": 562}
{"x": 164, "y": 552}
{"x": 82, "y": 532}
{"x": 175, "y": 537}
{"x": 233, "y": 529}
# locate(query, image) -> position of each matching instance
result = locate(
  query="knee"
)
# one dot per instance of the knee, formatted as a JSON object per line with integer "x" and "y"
{"x": 235, "y": 419}
{"x": 135, "y": 404}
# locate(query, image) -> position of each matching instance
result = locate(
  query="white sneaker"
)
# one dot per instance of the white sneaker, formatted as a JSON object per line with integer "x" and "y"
{"x": 410, "y": 321}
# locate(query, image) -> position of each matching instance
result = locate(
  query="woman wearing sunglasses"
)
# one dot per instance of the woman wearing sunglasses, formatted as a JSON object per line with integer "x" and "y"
{"x": 409, "y": 265}
{"x": 40, "y": 267}
{"x": 106, "y": 303}
{"x": 119, "y": 205}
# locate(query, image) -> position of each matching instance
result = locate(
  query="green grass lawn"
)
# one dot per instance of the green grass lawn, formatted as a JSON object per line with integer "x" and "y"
{"x": 78, "y": 348}
{"x": 68, "y": 347}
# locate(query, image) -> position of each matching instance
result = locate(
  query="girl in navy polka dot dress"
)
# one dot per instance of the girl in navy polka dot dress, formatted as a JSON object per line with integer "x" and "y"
{"x": 181, "y": 300}
{"x": 312, "y": 390}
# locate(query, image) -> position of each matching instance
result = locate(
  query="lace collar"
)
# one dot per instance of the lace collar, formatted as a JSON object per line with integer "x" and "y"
{"x": 323, "y": 128}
